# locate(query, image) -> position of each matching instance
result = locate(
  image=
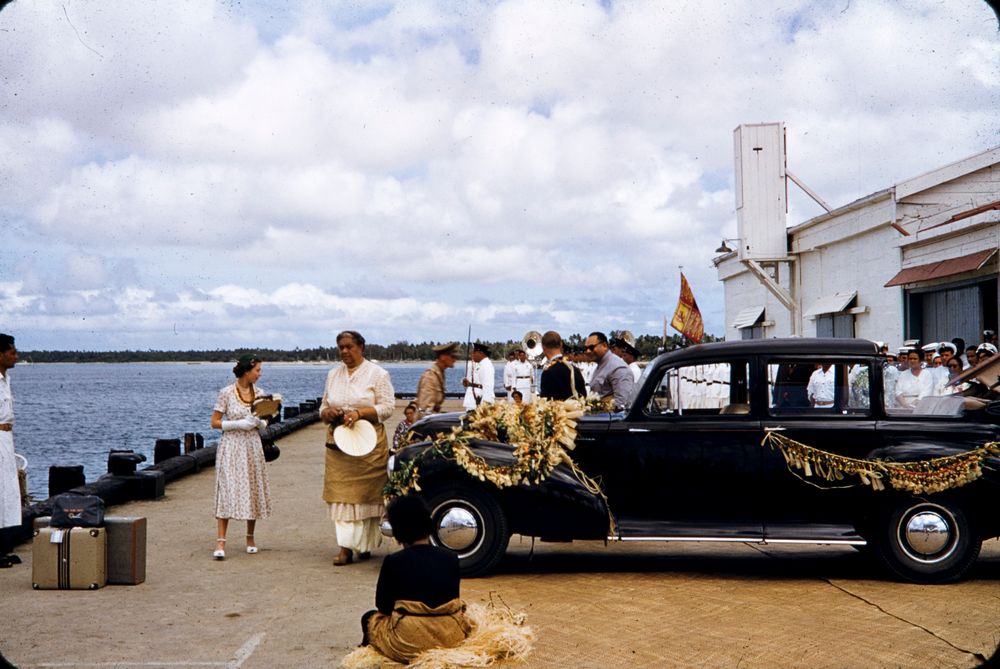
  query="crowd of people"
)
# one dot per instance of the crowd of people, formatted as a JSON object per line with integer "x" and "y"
{"x": 915, "y": 371}
{"x": 602, "y": 368}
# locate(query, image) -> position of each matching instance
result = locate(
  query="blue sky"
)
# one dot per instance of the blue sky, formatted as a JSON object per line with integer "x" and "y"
{"x": 222, "y": 174}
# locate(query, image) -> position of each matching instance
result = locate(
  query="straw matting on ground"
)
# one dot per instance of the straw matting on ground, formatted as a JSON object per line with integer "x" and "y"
{"x": 590, "y": 605}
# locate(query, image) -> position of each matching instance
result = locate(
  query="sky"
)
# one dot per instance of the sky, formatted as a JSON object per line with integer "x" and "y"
{"x": 200, "y": 175}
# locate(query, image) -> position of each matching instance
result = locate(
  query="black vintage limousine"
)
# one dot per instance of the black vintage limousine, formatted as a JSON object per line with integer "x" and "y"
{"x": 685, "y": 462}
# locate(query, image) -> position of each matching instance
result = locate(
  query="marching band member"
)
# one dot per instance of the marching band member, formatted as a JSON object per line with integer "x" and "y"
{"x": 524, "y": 376}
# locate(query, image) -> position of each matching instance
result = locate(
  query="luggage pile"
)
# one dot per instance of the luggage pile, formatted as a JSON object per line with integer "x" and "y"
{"x": 79, "y": 548}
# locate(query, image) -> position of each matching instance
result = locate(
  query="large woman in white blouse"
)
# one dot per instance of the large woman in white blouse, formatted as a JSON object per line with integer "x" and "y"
{"x": 352, "y": 485}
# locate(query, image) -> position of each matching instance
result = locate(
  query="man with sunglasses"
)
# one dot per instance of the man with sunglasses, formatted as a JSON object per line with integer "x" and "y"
{"x": 612, "y": 377}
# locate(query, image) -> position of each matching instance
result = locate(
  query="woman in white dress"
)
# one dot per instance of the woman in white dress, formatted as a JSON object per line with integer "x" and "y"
{"x": 914, "y": 384}
{"x": 241, "y": 487}
{"x": 352, "y": 485}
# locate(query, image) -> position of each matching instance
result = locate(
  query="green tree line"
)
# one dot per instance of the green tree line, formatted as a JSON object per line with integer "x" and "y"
{"x": 649, "y": 346}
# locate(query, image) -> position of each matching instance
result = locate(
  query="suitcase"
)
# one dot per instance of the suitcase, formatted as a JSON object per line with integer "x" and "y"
{"x": 69, "y": 559}
{"x": 126, "y": 550}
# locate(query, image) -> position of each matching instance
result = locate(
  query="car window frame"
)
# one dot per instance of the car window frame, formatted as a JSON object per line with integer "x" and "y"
{"x": 841, "y": 409}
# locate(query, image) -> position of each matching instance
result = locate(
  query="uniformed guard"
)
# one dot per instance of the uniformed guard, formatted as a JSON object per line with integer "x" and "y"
{"x": 480, "y": 378}
{"x": 430, "y": 388}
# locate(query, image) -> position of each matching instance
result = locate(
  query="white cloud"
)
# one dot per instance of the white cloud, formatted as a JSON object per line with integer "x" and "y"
{"x": 416, "y": 166}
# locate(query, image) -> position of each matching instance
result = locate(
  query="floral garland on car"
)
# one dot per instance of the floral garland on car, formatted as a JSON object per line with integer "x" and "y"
{"x": 541, "y": 434}
{"x": 918, "y": 477}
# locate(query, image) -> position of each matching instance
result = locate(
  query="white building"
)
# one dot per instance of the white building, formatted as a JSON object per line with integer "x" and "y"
{"x": 917, "y": 260}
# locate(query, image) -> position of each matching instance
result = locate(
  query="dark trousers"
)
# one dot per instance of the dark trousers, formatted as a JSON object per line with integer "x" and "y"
{"x": 7, "y": 536}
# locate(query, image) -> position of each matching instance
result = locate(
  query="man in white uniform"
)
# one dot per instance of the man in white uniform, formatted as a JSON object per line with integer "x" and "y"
{"x": 820, "y": 388}
{"x": 508, "y": 373}
{"x": 10, "y": 490}
{"x": 524, "y": 376}
{"x": 480, "y": 377}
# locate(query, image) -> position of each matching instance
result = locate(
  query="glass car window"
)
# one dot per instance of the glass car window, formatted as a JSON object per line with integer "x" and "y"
{"x": 717, "y": 389}
{"x": 819, "y": 387}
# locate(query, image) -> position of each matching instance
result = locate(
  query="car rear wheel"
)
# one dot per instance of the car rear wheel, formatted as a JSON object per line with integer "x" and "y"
{"x": 928, "y": 542}
{"x": 470, "y": 523}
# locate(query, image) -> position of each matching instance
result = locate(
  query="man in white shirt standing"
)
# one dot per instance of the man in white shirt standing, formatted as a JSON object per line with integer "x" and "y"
{"x": 10, "y": 489}
{"x": 480, "y": 378}
{"x": 508, "y": 373}
{"x": 820, "y": 388}
{"x": 524, "y": 377}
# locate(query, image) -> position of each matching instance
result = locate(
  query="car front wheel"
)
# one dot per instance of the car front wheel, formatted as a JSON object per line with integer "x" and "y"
{"x": 928, "y": 541}
{"x": 470, "y": 523}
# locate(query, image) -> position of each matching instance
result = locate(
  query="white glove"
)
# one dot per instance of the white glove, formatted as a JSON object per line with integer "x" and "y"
{"x": 246, "y": 423}
{"x": 277, "y": 398}
{"x": 261, "y": 423}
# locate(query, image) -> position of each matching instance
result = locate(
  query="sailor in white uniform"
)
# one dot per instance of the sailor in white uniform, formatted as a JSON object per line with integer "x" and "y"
{"x": 480, "y": 378}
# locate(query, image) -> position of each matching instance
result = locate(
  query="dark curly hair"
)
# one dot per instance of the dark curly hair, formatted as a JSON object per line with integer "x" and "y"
{"x": 353, "y": 334}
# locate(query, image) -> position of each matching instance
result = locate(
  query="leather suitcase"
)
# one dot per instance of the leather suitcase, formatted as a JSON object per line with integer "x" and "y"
{"x": 126, "y": 550}
{"x": 69, "y": 559}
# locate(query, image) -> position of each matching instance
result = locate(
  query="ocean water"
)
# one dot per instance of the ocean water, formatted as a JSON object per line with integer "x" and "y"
{"x": 73, "y": 414}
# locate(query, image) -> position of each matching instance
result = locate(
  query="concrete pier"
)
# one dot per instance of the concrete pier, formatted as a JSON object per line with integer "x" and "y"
{"x": 591, "y": 605}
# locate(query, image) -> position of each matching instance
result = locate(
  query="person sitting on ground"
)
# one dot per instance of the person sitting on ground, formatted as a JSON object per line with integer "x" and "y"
{"x": 417, "y": 595}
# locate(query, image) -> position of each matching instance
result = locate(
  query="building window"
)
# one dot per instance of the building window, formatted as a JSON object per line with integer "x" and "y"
{"x": 755, "y": 331}
{"x": 835, "y": 325}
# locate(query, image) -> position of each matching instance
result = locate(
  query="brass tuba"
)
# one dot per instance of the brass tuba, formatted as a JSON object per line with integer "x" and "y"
{"x": 531, "y": 344}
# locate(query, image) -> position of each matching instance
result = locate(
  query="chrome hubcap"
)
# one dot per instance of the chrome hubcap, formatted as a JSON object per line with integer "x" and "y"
{"x": 928, "y": 535}
{"x": 457, "y": 529}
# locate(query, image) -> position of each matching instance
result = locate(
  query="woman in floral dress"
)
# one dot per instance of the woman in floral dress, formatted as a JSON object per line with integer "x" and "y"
{"x": 241, "y": 487}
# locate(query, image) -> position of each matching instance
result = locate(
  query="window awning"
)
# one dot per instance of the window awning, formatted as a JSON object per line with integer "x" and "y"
{"x": 942, "y": 268}
{"x": 831, "y": 304}
{"x": 748, "y": 317}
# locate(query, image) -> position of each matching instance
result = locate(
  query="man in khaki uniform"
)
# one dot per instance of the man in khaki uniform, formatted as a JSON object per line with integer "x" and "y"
{"x": 430, "y": 388}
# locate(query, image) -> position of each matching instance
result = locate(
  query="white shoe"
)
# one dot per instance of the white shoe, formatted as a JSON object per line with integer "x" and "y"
{"x": 251, "y": 549}
{"x": 219, "y": 554}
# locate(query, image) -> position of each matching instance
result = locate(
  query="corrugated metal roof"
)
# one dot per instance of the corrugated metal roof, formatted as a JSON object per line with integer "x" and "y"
{"x": 748, "y": 317}
{"x": 831, "y": 304}
{"x": 942, "y": 268}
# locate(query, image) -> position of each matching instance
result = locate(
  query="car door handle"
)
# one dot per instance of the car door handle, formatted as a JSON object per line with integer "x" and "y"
{"x": 638, "y": 429}
{"x": 774, "y": 429}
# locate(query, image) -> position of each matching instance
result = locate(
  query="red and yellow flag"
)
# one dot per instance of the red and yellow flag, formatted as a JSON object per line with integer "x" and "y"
{"x": 687, "y": 318}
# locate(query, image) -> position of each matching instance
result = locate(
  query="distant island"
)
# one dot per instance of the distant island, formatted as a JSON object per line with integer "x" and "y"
{"x": 648, "y": 345}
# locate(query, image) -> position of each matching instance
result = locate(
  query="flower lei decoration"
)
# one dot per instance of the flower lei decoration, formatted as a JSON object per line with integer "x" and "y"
{"x": 918, "y": 477}
{"x": 541, "y": 434}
